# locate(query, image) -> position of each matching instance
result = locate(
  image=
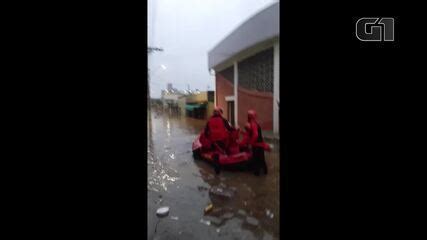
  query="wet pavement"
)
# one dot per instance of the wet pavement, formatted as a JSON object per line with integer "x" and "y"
{"x": 248, "y": 210}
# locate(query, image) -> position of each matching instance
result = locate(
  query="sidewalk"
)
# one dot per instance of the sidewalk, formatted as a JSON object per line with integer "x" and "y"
{"x": 269, "y": 136}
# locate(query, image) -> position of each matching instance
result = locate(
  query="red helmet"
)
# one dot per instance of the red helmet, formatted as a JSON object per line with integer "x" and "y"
{"x": 217, "y": 111}
{"x": 251, "y": 115}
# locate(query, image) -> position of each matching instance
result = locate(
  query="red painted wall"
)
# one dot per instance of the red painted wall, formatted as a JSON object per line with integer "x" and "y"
{"x": 223, "y": 88}
{"x": 261, "y": 102}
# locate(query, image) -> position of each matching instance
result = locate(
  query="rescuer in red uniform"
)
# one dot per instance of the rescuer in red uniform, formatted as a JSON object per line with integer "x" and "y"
{"x": 256, "y": 141}
{"x": 244, "y": 144}
{"x": 218, "y": 129}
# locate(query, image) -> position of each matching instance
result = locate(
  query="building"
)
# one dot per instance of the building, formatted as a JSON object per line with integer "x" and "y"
{"x": 169, "y": 87}
{"x": 181, "y": 105}
{"x": 200, "y": 104}
{"x": 170, "y": 98}
{"x": 156, "y": 104}
{"x": 246, "y": 66}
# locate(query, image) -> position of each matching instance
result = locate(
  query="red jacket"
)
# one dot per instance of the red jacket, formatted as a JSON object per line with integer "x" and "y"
{"x": 245, "y": 140}
{"x": 256, "y": 139}
{"x": 216, "y": 129}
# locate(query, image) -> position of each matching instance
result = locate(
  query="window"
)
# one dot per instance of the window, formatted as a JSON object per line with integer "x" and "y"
{"x": 256, "y": 72}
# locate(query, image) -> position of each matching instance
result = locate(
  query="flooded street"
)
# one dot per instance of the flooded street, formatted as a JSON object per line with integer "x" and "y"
{"x": 178, "y": 181}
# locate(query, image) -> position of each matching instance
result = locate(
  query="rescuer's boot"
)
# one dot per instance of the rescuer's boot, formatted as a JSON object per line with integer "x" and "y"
{"x": 217, "y": 167}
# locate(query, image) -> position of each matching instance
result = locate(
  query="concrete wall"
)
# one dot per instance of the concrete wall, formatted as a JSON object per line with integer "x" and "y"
{"x": 261, "y": 102}
{"x": 223, "y": 88}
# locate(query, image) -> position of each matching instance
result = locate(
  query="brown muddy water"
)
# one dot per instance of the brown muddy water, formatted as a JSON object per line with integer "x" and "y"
{"x": 178, "y": 181}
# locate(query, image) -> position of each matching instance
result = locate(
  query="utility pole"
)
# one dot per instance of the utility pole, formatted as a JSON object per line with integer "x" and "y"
{"x": 150, "y": 50}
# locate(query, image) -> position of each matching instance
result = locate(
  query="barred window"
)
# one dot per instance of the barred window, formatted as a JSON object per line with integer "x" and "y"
{"x": 228, "y": 73}
{"x": 256, "y": 72}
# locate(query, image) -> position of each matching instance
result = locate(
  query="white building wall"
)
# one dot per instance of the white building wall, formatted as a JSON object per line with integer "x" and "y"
{"x": 276, "y": 87}
{"x": 236, "y": 85}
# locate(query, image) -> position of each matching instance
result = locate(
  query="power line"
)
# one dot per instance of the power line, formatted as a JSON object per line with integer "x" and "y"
{"x": 154, "y": 49}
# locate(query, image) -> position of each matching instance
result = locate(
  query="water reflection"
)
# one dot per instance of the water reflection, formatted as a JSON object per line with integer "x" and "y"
{"x": 175, "y": 175}
{"x": 255, "y": 202}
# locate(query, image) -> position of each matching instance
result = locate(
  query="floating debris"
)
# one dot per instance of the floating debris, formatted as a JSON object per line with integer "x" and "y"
{"x": 218, "y": 230}
{"x": 207, "y": 222}
{"x": 201, "y": 188}
{"x": 269, "y": 213}
{"x": 208, "y": 208}
{"x": 227, "y": 215}
{"x": 217, "y": 210}
{"x": 162, "y": 212}
{"x": 210, "y": 177}
{"x": 252, "y": 221}
{"x": 152, "y": 189}
{"x": 242, "y": 212}
{"x": 216, "y": 221}
{"x": 218, "y": 191}
{"x": 174, "y": 218}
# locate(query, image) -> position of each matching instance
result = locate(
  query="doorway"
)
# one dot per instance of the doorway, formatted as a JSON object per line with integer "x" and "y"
{"x": 230, "y": 112}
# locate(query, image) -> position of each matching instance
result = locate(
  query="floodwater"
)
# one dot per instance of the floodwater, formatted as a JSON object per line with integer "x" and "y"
{"x": 178, "y": 181}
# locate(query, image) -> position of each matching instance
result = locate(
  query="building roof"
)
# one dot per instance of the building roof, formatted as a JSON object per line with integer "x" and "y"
{"x": 262, "y": 26}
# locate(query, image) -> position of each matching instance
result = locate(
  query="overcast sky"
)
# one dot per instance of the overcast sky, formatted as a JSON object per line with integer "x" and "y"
{"x": 187, "y": 30}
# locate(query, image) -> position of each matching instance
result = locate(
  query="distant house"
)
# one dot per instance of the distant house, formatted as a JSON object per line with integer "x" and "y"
{"x": 199, "y": 105}
{"x": 246, "y": 65}
{"x": 181, "y": 105}
{"x": 170, "y": 98}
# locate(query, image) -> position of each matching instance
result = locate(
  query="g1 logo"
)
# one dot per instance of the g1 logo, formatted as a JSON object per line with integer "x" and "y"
{"x": 380, "y": 29}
